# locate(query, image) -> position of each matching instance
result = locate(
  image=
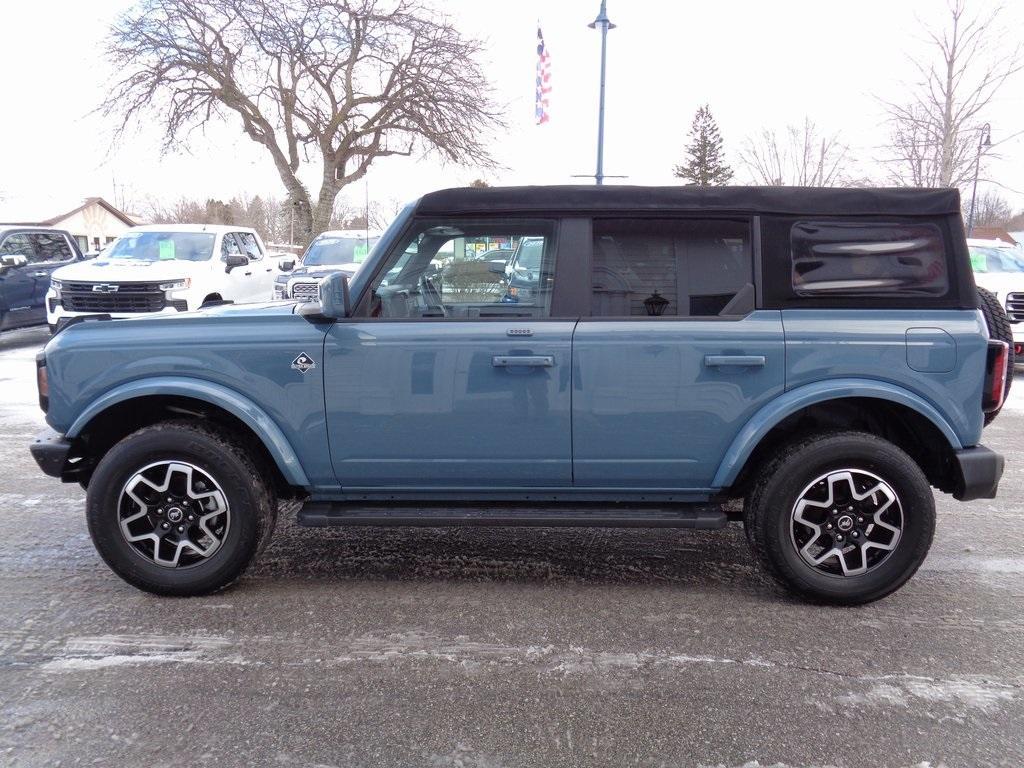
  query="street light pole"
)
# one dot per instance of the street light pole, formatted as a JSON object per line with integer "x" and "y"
{"x": 602, "y": 23}
{"x": 984, "y": 140}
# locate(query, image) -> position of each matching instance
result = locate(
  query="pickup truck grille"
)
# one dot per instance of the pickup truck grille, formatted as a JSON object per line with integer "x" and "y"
{"x": 1015, "y": 307}
{"x": 129, "y": 297}
{"x": 306, "y": 291}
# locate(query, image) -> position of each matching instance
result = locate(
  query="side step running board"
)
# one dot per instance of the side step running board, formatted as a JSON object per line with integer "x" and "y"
{"x": 322, "y": 513}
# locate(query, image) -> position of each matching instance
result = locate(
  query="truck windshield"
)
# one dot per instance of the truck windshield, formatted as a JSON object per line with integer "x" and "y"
{"x": 996, "y": 259}
{"x": 531, "y": 251}
{"x": 163, "y": 246}
{"x": 337, "y": 250}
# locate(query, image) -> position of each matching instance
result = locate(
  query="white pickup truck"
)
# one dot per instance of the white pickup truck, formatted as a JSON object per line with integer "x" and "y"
{"x": 164, "y": 268}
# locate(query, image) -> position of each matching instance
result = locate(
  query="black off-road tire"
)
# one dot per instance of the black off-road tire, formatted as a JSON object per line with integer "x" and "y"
{"x": 769, "y": 506}
{"x": 252, "y": 508}
{"x": 998, "y": 328}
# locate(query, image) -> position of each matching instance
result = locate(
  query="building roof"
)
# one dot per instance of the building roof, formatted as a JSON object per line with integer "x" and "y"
{"x": 115, "y": 212}
{"x": 902, "y": 201}
{"x": 31, "y": 220}
{"x": 994, "y": 233}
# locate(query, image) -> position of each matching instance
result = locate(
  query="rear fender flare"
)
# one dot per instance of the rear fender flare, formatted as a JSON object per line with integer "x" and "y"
{"x": 762, "y": 422}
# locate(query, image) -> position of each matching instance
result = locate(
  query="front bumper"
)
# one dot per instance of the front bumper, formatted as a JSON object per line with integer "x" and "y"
{"x": 50, "y": 450}
{"x": 977, "y": 472}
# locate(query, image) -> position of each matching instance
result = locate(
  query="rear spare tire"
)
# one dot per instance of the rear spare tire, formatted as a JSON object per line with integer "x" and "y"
{"x": 998, "y": 328}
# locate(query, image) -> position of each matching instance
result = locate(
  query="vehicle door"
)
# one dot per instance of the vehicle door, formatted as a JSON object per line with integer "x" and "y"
{"x": 262, "y": 284}
{"x": 435, "y": 383}
{"x": 674, "y": 358}
{"x": 17, "y": 286}
{"x": 52, "y": 250}
{"x": 239, "y": 281}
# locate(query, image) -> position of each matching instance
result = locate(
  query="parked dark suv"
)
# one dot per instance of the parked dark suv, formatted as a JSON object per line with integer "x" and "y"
{"x": 820, "y": 354}
{"x": 28, "y": 256}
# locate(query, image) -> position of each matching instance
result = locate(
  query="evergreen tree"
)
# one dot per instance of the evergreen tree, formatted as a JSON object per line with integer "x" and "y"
{"x": 704, "y": 165}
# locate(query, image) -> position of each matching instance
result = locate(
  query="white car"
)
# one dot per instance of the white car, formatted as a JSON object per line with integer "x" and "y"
{"x": 999, "y": 267}
{"x": 164, "y": 268}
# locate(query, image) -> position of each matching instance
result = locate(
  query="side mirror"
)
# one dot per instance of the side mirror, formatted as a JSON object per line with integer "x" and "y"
{"x": 286, "y": 265}
{"x": 335, "y": 302}
{"x": 13, "y": 260}
{"x": 233, "y": 260}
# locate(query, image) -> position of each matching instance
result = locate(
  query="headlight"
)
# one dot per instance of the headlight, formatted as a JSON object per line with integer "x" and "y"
{"x": 176, "y": 285}
{"x": 57, "y": 286}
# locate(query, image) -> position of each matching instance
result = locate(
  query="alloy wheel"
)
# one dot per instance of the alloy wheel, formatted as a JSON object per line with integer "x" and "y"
{"x": 846, "y": 522}
{"x": 173, "y": 514}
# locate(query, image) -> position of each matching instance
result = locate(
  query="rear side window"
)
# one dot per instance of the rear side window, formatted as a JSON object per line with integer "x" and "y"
{"x": 867, "y": 259}
{"x": 668, "y": 267}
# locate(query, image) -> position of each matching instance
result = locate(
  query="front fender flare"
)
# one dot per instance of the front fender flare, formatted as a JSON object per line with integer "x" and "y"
{"x": 234, "y": 403}
{"x": 790, "y": 402}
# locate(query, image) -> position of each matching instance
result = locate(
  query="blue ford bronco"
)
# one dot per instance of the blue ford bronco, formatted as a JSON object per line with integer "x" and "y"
{"x": 821, "y": 354}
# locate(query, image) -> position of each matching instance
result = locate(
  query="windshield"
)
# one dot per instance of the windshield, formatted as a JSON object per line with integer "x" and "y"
{"x": 531, "y": 251}
{"x": 337, "y": 250}
{"x": 996, "y": 259}
{"x": 163, "y": 246}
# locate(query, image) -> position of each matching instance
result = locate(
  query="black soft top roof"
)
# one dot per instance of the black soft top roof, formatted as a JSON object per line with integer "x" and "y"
{"x": 897, "y": 201}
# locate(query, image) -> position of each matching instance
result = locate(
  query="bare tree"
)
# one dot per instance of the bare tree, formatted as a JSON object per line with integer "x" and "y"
{"x": 935, "y": 133}
{"x": 801, "y": 157}
{"x": 336, "y": 83}
{"x": 992, "y": 210}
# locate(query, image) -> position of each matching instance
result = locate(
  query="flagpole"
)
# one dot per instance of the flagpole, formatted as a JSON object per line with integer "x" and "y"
{"x": 602, "y": 23}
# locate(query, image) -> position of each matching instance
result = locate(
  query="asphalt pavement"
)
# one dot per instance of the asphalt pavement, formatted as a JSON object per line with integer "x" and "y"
{"x": 487, "y": 647}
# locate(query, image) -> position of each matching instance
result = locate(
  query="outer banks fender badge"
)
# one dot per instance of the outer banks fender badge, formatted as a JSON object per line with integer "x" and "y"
{"x": 303, "y": 363}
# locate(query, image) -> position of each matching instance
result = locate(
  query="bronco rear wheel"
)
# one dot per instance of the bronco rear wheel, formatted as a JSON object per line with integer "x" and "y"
{"x": 844, "y": 518}
{"x": 178, "y": 508}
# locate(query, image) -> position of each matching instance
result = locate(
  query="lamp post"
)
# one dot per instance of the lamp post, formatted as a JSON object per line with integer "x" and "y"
{"x": 602, "y": 23}
{"x": 984, "y": 141}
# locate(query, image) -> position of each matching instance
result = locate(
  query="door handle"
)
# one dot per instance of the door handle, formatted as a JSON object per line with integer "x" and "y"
{"x": 248, "y": 273}
{"x": 40, "y": 274}
{"x": 529, "y": 361}
{"x": 734, "y": 361}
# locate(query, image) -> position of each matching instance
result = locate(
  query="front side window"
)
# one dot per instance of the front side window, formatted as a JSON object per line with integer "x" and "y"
{"x": 666, "y": 268}
{"x": 871, "y": 259}
{"x": 449, "y": 269}
{"x": 162, "y": 246}
{"x": 247, "y": 240}
{"x": 229, "y": 246}
{"x": 17, "y": 245}
{"x": 51, "y": 247}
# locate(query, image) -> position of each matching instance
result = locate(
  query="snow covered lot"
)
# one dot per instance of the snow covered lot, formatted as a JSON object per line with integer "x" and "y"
{"x": 489, "y": 647}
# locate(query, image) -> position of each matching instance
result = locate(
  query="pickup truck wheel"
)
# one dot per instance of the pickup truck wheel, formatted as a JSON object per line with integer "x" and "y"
{"x": 843, "y": 518}
{"x": 178, "y": 509}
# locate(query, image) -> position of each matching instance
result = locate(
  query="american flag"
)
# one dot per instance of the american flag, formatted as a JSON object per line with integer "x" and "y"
{"x": 543, "y": 79}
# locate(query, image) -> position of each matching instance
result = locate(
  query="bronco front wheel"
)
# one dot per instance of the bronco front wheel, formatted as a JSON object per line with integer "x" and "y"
{"x": 178, "y": 509}
{"x": 844, "y": 518}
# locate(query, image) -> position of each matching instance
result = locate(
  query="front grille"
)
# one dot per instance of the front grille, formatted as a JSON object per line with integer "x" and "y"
{"x": 1015, "y": 307}
{"x": 306, "y": 291}
{"x": 129, "y": 297}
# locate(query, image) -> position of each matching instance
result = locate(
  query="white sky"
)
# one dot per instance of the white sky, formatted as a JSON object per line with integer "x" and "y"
{"x": 757, "y": 64}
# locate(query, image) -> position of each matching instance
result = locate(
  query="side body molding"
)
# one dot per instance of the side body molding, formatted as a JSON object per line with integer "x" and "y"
{"x": 833, "y": 389}
{"x": 215, "y": 394}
